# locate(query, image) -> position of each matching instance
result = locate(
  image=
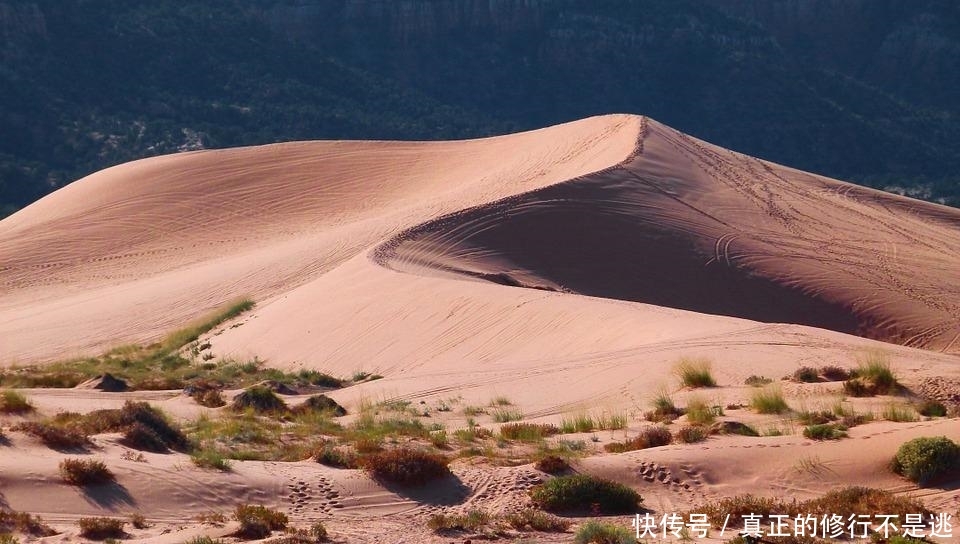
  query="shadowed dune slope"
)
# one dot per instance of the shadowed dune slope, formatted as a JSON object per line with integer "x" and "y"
{"x": 688, "y": 225}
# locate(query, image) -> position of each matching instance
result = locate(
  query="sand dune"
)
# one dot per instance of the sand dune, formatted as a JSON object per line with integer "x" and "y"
{"x": 566, "y": 268}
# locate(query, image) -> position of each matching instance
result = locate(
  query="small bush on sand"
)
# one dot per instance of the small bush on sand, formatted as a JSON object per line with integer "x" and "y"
{"x": 769, "y": 400}
{"x": 101, "y": 528}
{"x": 210, "y": 458}
{"x": 85, "y": 472}
{"x": 552, "y": 464}
{"x": 699, "y": 412}
{"x": 872, "y": 377}
{"x": 899, "y": 413}
{"x": 534, "y": 520}
{"x": 528, "y": 432}
{"x": 664, "y": 410}
{"x": 211, "y": 397}
{"x": 806, "y": 374}
{"x": 757, "y": 381}
{"x": 650, "y": 437}
{"x": 13, "y": 402}
{"x": 924, "y": 458}
{"x": 321, "y": 403}
{"x": 260, "y": 399}
{"x": 834, "y": 373}
{"x": 601, "y": 532}
{"x": 695, "y": 373}
{"x": 333, "y": 456}
{"x": 474, "y": 521}
{"x": 406, "y": 466}
{"x": 584, "y": 492}
{"x": 204, "y": 540}
{"x": 932, "y": 408}
{"x": 23, "y": 522}
{"x": 138, "y": 521}
{"x": 7, "y": 538}
{"x": 825, "y": 431}
{"x": 258, "y": 521}
{"x": 58, "y": 438}
{"x": 692, "y": 434}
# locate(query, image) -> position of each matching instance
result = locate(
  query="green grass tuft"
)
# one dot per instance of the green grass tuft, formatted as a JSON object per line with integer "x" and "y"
{"x": 925, "y": 458}
{"x": 695, "y": 373}
{"x": 769, "y": 400}
{"x": 583, "y": 492}
{"x": 14, "y": 402}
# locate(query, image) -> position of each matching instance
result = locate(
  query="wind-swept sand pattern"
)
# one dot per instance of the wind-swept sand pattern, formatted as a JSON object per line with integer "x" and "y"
{"x": 567, "y": 269}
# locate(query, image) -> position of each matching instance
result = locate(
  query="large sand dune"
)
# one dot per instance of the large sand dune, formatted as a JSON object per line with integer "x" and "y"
{"x": 566, "y": 269}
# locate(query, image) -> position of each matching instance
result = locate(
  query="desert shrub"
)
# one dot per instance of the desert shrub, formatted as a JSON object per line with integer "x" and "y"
{"x": 474, "y": 520}
{"x": 699, "y": 412}
{"x": 439, "y": 439}
{"x": 318, "y": 531}
{"x": 733, "y": 427}
{"x": 818, "y": 417}
{"x": 649, "y": 437}
{"x": 332, "y": 456}
{"x": 25, "y": 523}
{"x": 530, "y": 519}
{"x": 7, "y": 538}
{"x": 932, "y": 408}
{"x": 825, "y": 431}
{"x": 580, "y": 423}
{"x": 528, "y": 432}
{"x": 101, "y": 528}
{"x": 504, "y": 415}
{"x": 14, "y": 402}
{"x": 321, "y": 403}
{"x": 140, "y": 437}
{"x": 210, "y": 458}
{"x": 406, "y": 466}
{"x": 834, "y": 373}
{"x": 85, "y": 472}
{"x": 204, "y": 539}
{"x": 321, "y": 379}
{"x": 848, "y": 501}
{"x": 899, "y": 413}
{"x": 872, "y": 377}
{"x": 691, "y": 434}
{"x": 260, "y": 399}
{"x": 54, "y": 437}
{"x": 581, "y": 491}
{"x": 924, "y": 458}
{"x": 769, "y": 400}
{"x": 138, "y": 521}
{"x": 739, "y": 506}
{"x": 258, "y": 521}
{"x": 208, "y": 395}
{"x": 552, "y": 464}
{"x": 757, "y": 381}
{"x": 149, "y": 418}
{"x": 806, "y": 374}
{"x": 695, "y": 373}
{"x": 600, "y": 532}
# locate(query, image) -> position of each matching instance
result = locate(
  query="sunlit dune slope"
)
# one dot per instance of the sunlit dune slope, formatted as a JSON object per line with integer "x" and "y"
{"x": 358, "y": 251}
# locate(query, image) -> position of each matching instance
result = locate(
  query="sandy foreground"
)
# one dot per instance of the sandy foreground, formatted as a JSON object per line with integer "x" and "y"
{"x": 566, "y": 270}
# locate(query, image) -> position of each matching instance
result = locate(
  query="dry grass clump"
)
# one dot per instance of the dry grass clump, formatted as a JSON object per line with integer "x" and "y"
{"x": 806, "y": 374}
{"x": 825, "y": 431}
{"x": 24, "y": 523}
{"x": 530, "y": 519}
{"x": 602, "y": 532}
{"x": 320, "y": 403}
{"x": 899, "y": 413}
{"x": 664, "y": 410}
{"x": 757, "y": 381}
{"x": 406, "y": 466}
{"x": 259, "y": 399}
{"x": 528, "y": 432}
{"x": 206, "y": 393}
{"x": 14, "y": 402}
{"x": 552, "y": 464}
{"x": 769, "y": 400}
{"x": 872, "y": 377}
{"x": 98, "y": 528}
{"x": 649, "y": 437}
{"x": 833, "y": 373}
{"x": 54, "y": 437}
{"x": 338, "y": 457}
{"x": 923, "y": 459}
{"x": 258, "y": 521}
{"x": 580, "y": 492}
{"x": 85, "y": 472}
{"x": 695, "y": 373}
{"x": 210, "y": 458}
{"x": 692, "y": 434}
{"x": 698, "y": 412}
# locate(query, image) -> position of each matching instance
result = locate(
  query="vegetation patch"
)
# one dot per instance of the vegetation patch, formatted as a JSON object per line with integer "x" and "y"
{"x": 406, "y": 466}
{"x": 337, "y": 457}
{"x": 552, "y": 464}
{"x": 579, "y": 492}
{"x": 872, "y": 377}
{"x": 528, "y": 432}
{"x": 757, "y": 381}
{"x": 691, "y": 434}
{"x": 695, "y": 373}
{"x": 14, "y": 402}
{"x": 825, "y": 431}
{"x": 23, "y": 522}
{"x": 321, "y": 403}
{"x": 259, "y": 399}
{"x": 923, "y": 459}
{"x": 98, "y": 528}
{"x": 602, "y": 532}
{"x": 210, "y": 458}
{"x": 54, "y": 437}
{"x": 258, "y": 521}
{"x": 833, "y": 373}
{"x": 698, "y": 412}
{"x": 85, "y": 472}
{"x": 650, "y": 437}
{"x": 769, "y": 400}
{"x": 664, "y": 410}
{"x": 899, "y": 413}
{"x": 806, "y": 374}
